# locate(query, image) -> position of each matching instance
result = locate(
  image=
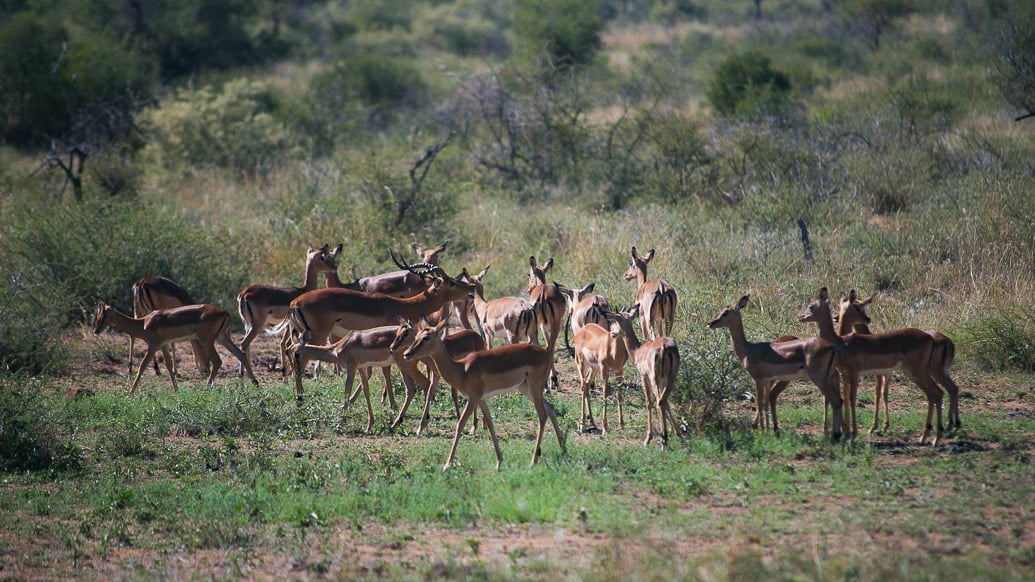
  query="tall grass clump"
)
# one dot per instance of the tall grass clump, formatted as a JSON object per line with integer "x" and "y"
{"x": 33, "y": 435}
{"x": 1001, "y": 343}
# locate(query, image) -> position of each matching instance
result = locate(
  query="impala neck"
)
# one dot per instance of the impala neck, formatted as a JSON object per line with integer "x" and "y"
{"x": 311, "y": 273}
{"x": 133, "y": 326}
{"x": 641, "y": 276}
{"x": 826, "y": 326}
{"x": 632, "y": 343}
{"x": 448, "y": 368}
{"x": 740, "y": 343}
{"x": 844, "y": 327}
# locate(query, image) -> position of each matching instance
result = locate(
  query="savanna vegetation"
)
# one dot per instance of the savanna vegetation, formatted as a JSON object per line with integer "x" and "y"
{"x": 212, "y": 141}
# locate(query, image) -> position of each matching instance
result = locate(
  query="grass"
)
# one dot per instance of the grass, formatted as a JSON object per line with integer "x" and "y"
{"x": 235, "y": 481}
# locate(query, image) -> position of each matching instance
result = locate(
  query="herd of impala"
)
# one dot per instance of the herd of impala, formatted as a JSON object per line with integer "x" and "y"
{"x": 404, "y": 318}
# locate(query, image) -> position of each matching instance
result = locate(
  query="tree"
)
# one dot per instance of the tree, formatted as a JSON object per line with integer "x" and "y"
{"x": 747, "y": 84}
{"x": 1013, "y": 44}
{"x": 567, "y": 30}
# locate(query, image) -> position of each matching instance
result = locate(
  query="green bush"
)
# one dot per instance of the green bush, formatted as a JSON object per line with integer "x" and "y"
{"x": 567, "y": 30}
{"x": 32, "y": 435}
{"x": 100, "y": 247}
{"x": 232, "y": 127}
{"x": 748, "y": 84}
{"x": 1002, "y": 343}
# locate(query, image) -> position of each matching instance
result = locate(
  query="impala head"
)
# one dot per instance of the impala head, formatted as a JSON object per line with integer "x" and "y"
{"x": 729, "y": 315}
{"x": 403, "y": 335}
{"x": 427, "y": 336}
{"x": 100, "y": 318}
{"x": 638, "y": 265}
{"x": 429, "y": 256}
{"x": 537, "y": 273}
{"x": 818, "y": 309}
{"x": 323, "y": 260}
{"x": 852, "y": 310}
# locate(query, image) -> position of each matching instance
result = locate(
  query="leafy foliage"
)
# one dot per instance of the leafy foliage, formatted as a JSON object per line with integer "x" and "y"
{"x": 232, "y": 127}
{"x": 748, "y": 84}
{"x": 567, "y": 31}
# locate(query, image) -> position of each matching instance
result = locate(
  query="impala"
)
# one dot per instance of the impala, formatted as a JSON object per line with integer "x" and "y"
{"x": 657, "y": 361}
{"x": 332, "y": 310}
{"x": 656, "y": 298}
{"x": 599, "y": 352}
{"x": 908, "y": 349}
{"x": 550, "y": 301}
{"x": 206, "y": 324}
{"x": 359, "y": 351}
{"x": 853, "y": 312}
{"x": 457, "y": 344}
{"x": 263, "y": 307}
{"x": 510, "y": 318}
{"x": 523, "y": 367}
{"x": 768, "y": 362}
{"x": 157, "y": 292}
{"x": 587, "y": 308}
{"x": 400, "y": 283}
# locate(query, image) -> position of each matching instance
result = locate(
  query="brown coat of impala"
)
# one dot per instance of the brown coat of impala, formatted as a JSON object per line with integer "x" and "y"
{"x": 480, "y": 375}
{"x": 657, "y": 361}
{"x": 852, "y": 316}
{"x": 656, "y": 298}
{"x": 769, "y": 362}
{"x": 907, "y": 349}
{"x": 263, "y": 307}
{"x": 550, "y": 301}
{"x": 206, "y": 324}
{"x": 457, "y": 344}
{"x": 512, "y": 319}
{"x": 358, "y": 351}
{"x": 157, "y": 292}
{"x": 316, "y": 314}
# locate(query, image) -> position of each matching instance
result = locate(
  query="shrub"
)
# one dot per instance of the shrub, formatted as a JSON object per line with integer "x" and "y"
{"x": 100, "y": 247}
{"x": 567, "y": 30}
{"x": 31, "y": 435}
{"x": 748, "y": 84}
{"x": 232, "y": 127}
{"x": 1002, "y": 343}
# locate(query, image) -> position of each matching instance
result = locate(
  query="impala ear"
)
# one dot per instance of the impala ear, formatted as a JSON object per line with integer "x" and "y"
{"x": 402, "y": 320}
{"x": 309, "y": 248}
{"x": 440, "y": 247}
{"x": 482, "y": 274}
{"x": 868, "y": 300}
{"x": 531, "y": 261}
{"x": 743, "y": 302}
{"x": 548, "y": 264}
{"x": 650, "y": 255}
{"x": 824, "y": 295}
{"x": 635, "y": 255}
{"x": 588, "y": 289}
{"x": 852, "y": 296}
{"x": 844, "y": 298}
{"x": 337, "y": 251}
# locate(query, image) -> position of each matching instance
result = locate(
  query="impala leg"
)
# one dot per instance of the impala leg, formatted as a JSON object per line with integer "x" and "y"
{"x": 942, "y": 377}
{"x": 227, "y": 342}
{"x": 169, "y": 367}
{"x": 621, "y": 414}
{"x": 201, "y": 359}
{"x": 387, "y": 372}
{"x": 492, "y": 432}
{"x": 299, "y": 365}
{"x": 429, "y": 396}
{"x": 364, "y": 377}
{"x": 148, "y": 356}
{"x": 587, "y": 424}
{"x": 411, "y": 390}
{"x": 556, "y": 429}
{"x": 604, "y": 399}
{"x": 249, "y": 337}
{"x": 646, "y": 406}
{"x": 773, "y": 390}
{"x": 887, "y": 406}
{"x": 877, "y": 396}
{"x": 468, "y": 409}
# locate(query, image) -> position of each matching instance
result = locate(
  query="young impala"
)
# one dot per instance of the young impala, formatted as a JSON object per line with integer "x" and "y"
{"x": 207, "y": 324}
{"x": 479, "y": 375}
{"x": 907, "y": 349}
{"x": 262, "y": 307}
{"x": 157, "y": 292}
{"x": 656, "y": 298}
{"x": 657, "y": 361}
{"x": 811, "y": 359}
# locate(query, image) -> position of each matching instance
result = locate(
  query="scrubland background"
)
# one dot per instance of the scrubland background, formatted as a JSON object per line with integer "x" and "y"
{"x": 221, "y": 137}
